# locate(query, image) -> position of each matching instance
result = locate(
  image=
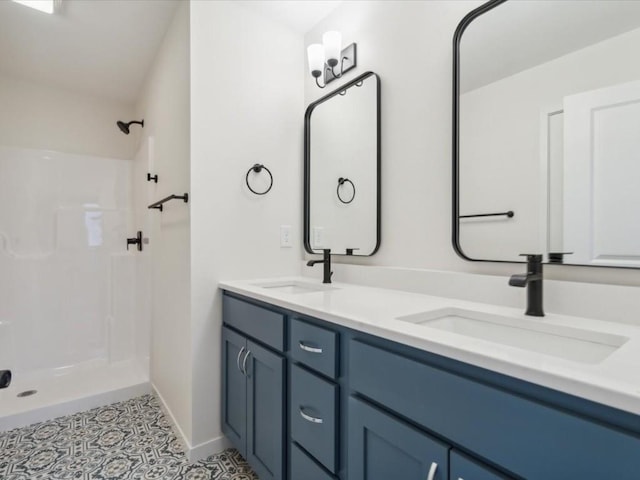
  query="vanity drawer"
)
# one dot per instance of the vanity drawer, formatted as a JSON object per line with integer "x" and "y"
{"x": 316, "y": 347}
{"x": 465, "y": 468}
{"x": 302, "y": 467}
{"x": 313, "y": 415}
{"x": 260, "y": 323}
{"x": 531, "y": 439}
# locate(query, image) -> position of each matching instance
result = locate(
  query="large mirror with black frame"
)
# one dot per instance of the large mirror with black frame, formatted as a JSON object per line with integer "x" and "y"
{"x": 342, "y": 170}
{"x": 547, "y": 132}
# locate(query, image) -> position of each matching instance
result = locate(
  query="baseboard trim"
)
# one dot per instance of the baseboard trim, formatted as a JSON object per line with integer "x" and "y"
{"x": 200, "y": 451}
{"x": 210, "y": 447}
{"x": 182, "y": 438}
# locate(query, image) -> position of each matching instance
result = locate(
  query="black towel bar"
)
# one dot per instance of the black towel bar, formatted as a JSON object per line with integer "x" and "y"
{"x": 509, "y": 214}
{"x": 159, "y": 203}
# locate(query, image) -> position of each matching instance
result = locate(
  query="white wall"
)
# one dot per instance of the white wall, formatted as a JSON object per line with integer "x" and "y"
{"x": 409, "y": 44}
{"x": 247, "y": 107}
{"x": 38, "y": 116}
{"x": 164, "y": 150}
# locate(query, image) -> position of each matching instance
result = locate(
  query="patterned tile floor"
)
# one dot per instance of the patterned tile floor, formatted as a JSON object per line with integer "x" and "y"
{"x": 131, "y": 440}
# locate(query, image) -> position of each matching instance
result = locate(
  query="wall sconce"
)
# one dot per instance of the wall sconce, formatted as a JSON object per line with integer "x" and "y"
{"x": 324, "y": 58}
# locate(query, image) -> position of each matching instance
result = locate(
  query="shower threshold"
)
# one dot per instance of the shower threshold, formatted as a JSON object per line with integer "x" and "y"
{"x": 78, "y": 390}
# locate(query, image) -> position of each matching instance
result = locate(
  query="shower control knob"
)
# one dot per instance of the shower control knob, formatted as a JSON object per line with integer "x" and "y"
{"x": 137, "y": 240}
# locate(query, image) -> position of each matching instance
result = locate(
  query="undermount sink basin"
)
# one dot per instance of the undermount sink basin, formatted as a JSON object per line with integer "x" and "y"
{"x": 295, "y": 287}
{"x": 533, "y": 335}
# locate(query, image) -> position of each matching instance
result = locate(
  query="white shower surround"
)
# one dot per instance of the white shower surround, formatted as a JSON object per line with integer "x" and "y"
{"x": 74, "y": 322}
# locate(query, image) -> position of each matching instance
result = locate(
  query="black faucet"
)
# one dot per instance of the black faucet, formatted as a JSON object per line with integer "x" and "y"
{"x": 533, "y": 281}
{"x": 326, "y": 260}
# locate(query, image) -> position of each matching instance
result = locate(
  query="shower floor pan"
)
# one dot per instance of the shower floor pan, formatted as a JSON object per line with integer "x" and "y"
{"x": 82, "y": 388}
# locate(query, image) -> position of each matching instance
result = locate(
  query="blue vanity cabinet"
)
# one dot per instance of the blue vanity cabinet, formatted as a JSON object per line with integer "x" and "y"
{"x": 318, "y": 401}
{"x": 525, "y": 437}
{"x": 253, "y": 385}
{"x": 314, "y": 407}
{"x": 264, "y": 324}
{"x": 303, "y": 467}
{"x": 313, "y": 346}
{"x": 465, "y": 468}
{"x": 383, "y": 447}
{"x": 234, "y": 389}
{"x": 265, "y": 412}
{"x": 314, "y": 416}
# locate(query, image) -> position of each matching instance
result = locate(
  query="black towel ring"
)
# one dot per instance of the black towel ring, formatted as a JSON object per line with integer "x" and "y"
{"x": 342, "y": 181}
{"x": 257, "y": 168}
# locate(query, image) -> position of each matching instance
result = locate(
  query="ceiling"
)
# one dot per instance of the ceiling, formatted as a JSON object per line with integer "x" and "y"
{"x": 299, "y": 15}
{"x": 106, "y": 47}
{"x": 103, "y": 48}
{"x": 518, "y": 35}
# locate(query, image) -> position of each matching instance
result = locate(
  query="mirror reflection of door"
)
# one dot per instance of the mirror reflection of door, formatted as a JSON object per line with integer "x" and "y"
{"x": 602, "y": 165}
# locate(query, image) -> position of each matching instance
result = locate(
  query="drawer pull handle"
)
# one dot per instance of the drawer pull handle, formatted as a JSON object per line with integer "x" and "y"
{"x": 238, "y": 359}
{"x": 309, "y": 349}
{"x": 432, "y": 471}
{"x": 309, "y": 418}
{"x": 244, "y": 362}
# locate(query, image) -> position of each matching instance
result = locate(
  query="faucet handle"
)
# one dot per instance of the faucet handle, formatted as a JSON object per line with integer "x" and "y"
{"x": 558, "y": 257}
{"x": 532, "y": 257}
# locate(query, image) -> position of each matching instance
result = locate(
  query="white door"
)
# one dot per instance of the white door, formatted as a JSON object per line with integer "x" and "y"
{"x": 602, "y": 176}
{"x": 551, "y": 181}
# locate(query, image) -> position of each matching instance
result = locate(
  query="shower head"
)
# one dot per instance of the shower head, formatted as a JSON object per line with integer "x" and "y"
{"x": 124, "y": 127}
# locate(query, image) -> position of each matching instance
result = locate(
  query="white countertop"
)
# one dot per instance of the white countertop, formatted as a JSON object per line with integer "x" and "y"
{"x": 615, "y": 381}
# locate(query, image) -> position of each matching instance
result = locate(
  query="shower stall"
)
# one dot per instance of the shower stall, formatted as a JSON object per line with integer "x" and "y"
{"x": 74, "y": 303}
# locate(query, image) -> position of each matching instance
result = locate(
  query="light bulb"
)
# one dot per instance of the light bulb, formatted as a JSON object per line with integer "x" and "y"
{"x": 332, "y": 42}
{"x": 315, "y": 55}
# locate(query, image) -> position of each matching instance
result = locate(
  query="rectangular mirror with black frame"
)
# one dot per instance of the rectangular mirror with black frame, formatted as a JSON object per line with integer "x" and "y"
{"x": 546, "y": 145}
{"x": 342, "y": 170}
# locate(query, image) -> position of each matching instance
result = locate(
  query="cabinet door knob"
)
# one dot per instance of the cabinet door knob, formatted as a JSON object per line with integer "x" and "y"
{"x": 432, "y": 471}
{"x": 238, "y": 359}
{"x": 309, "y": 418}
{"x": 244, "y": 362}
{"x": 309, "y": 349}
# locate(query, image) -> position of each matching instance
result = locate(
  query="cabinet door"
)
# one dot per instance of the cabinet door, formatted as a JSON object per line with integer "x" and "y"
{"x": 265, "y": 412}
{"x": 465, "y": 468}
{"x": 303, "y": 468}
{"x": 382, "y": 447}
{"x": 234, "y": 389}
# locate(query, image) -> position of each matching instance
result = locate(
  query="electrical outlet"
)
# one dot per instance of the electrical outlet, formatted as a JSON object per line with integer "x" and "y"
{"x": 285, "y": 236}
{"x": 318, "y": 237}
